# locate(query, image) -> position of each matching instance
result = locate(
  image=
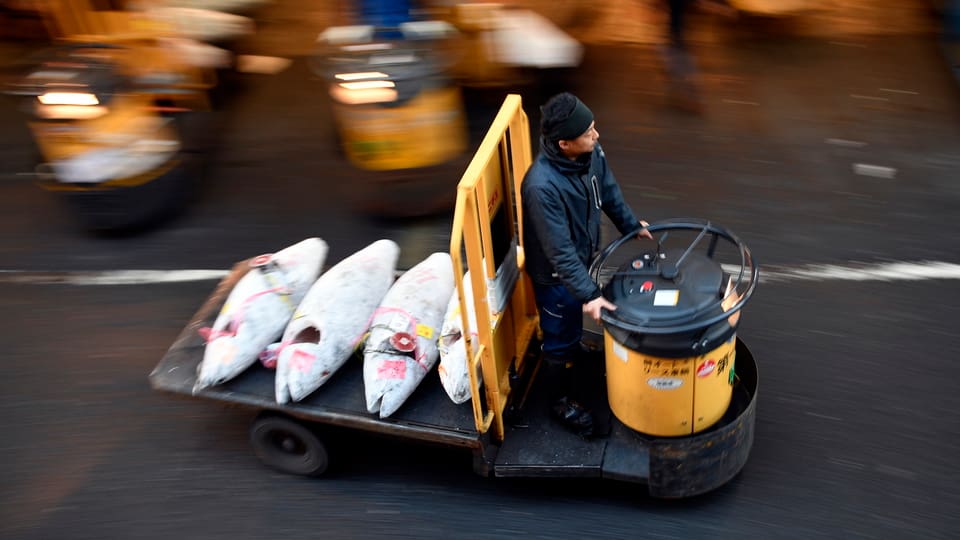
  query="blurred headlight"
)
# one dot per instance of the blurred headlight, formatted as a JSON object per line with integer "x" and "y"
{"x": 349, "y": 94}
{"x": 69, "y": 112}
{"x": 360, "y": 76}
{"x": 367, "y": 85}
{"x": 68, "y": 98}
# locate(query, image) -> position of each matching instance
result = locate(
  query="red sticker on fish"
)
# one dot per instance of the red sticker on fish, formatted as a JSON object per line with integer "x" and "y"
{"x": 706, "y": 368}
{"x": 392, "y": 369}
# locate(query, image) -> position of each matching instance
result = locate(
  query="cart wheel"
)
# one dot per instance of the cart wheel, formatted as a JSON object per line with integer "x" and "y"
{"x": 288, "y": 446}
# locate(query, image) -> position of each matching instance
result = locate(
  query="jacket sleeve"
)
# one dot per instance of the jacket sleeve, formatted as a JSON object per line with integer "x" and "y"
{"x": 550, "y": 221}
{"x": 612, "y": 200}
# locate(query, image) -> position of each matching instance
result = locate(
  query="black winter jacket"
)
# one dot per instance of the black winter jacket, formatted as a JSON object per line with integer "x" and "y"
{"x": 562, "y": 200}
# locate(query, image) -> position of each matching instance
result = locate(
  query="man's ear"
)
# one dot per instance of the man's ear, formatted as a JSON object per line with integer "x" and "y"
{"x": 563, "y": 144}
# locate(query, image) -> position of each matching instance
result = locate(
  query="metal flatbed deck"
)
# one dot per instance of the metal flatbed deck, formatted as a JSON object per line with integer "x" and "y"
{"x": 428, "y": 414}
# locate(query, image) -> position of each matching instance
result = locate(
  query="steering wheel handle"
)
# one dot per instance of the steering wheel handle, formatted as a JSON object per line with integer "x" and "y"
{"x": 705, "y": 228}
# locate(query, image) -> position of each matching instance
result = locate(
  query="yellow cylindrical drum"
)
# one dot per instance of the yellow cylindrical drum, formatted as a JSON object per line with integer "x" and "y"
{"x": 670, "y": 345}
{"x": 428, "y": 129}
{"x": 669, "y": 396}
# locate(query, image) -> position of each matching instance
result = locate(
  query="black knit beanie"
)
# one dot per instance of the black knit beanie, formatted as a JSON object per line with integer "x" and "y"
{"x": 564, "y": 117}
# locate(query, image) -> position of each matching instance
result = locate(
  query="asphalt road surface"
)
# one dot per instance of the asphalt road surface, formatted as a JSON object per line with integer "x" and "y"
{"x": 816, "y": 151}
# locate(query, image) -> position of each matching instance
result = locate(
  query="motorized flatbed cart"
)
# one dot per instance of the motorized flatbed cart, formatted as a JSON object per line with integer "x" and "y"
{"x": 673, "y": 344}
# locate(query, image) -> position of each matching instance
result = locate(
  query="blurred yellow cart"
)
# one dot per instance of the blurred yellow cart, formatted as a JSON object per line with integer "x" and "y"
{"x": 101, "y": 106}
{"x": 399, "y": 116}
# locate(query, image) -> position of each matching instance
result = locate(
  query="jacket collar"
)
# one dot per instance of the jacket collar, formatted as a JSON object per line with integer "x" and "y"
{"x": 564, "y": 164}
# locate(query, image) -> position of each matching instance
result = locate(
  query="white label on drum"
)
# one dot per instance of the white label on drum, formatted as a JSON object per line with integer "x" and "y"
{"x": 665, "y": 383}
{"x": 620, "y": 351}
{"x": 666, "y": 297}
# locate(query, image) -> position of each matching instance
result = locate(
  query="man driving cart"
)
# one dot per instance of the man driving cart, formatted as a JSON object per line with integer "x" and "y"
{"x": 564, "y": 192}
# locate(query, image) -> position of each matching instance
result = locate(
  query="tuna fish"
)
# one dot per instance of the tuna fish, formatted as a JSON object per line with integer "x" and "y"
{"x": 332, "y": 319}
{"x": 258, "y": 309}
{"x": 402, "y": 345}
{"x": 454, "y": 375}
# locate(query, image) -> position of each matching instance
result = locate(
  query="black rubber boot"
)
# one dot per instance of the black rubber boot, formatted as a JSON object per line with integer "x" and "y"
{"x": 574, "y": 417}
{"x": 560, "y": 378}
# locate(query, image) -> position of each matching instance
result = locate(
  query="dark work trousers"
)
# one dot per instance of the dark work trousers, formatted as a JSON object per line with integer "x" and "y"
{"x": 561, "y": 321}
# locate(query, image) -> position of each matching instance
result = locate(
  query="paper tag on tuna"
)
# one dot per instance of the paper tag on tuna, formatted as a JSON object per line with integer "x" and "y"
{"x": 392, "y": 369}
{"x": 424, "y": 331}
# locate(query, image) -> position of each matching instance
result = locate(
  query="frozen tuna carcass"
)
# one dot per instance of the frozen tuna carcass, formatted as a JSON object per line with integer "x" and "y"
{"x": 332, "y": 319}
{"x": 258, "y": 309}
{"x": 402, "y": 345}
{"x": 453, "y": 370}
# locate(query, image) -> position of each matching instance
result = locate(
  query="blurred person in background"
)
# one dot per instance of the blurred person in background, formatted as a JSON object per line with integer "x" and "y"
{"x": 684, "y": 91}
{"x": 563, "y": 193}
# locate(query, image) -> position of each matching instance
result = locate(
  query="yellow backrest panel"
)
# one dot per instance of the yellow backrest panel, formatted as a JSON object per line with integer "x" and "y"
{"x": 486, "y": 240}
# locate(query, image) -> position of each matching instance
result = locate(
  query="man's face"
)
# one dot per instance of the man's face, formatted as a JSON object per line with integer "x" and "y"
{"x": 583, "y": 144}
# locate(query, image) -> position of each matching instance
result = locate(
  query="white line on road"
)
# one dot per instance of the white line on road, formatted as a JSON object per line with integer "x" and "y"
{"x": 876, "y": 171}
{"x": 885, "y": 271}
{"x": 897, "y": 91}
{"x": 110, "y": 277}
{"x": 845, "y": 142}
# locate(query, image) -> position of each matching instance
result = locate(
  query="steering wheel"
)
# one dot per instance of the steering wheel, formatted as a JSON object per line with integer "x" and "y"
{"x": 748, "y": 275}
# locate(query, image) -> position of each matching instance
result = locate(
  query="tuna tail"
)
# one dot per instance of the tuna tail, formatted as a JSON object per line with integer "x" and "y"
{"x": 302, "y": 376}
{"x": 384, "y": 390}
{"x": 299, "y": 358}
{"x": 215, "y": 366}
{"x": 199, "y": 385}
{"x": 389, "y": 404}
{"x": 457, "y": 388}
{"x": 282, "y": 390}
{"x": 373, "y": 404}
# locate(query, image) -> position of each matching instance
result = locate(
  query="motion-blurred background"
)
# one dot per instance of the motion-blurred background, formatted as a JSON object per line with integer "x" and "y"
{"x": 164, "y": 136}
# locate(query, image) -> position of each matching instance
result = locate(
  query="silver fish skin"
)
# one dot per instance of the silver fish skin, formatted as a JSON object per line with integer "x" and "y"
{"x": 453, "y": 371}
{"x": 257, "y": 310}
{"x": 413, "y": 309}
{"x": 332, "y": 319}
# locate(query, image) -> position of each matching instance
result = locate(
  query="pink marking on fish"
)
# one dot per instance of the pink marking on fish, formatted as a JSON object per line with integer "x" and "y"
{"x": 302, "y": 361}
{"x": 209, "y": 334}
{"x": 392, "y": 369}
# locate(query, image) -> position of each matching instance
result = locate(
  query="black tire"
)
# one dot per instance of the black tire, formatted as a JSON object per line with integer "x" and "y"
{"x": 288, "y": 446}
